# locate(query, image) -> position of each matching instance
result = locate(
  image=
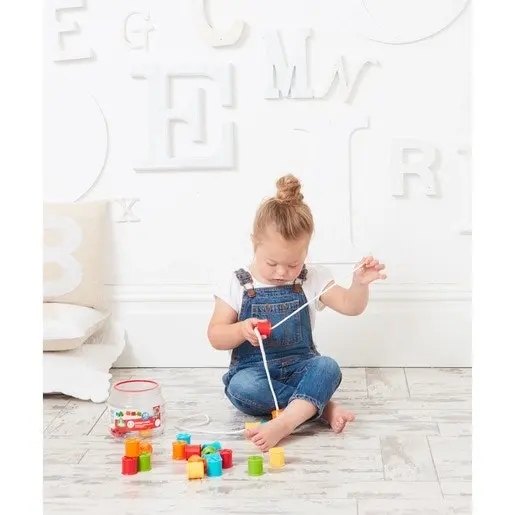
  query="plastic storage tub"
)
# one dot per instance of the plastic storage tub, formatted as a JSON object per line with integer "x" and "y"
{"x": 136, "y": 409}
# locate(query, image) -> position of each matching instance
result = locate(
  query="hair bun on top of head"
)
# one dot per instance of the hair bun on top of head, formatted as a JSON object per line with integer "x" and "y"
{"x": 288, "y": 190}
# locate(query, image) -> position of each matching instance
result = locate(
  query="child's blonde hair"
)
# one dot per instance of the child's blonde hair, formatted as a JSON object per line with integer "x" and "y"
{"x": 287, "y": 211}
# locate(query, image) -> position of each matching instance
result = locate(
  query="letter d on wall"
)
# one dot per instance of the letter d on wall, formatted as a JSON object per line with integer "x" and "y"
{"x": 422, "y": 167}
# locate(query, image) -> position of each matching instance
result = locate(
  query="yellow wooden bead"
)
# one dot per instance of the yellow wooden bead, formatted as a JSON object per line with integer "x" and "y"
{"x": 195, "y": 469}
{"x": 276, "y": 457}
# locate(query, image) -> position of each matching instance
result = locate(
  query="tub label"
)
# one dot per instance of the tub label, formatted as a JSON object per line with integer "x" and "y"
{"x": 124, "y": 420}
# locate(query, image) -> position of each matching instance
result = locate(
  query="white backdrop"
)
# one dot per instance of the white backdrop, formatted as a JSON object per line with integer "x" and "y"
{"x": 185, "y": 116}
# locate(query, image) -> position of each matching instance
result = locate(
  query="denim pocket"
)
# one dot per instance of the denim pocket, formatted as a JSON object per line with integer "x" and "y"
{"x": 289, "y": 333}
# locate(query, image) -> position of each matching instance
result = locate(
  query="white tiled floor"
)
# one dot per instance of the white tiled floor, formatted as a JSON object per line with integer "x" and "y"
{"x": 407, "y": 453}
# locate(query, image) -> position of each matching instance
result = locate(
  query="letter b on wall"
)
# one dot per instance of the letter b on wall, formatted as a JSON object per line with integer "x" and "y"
{"x": 63, "y": 273}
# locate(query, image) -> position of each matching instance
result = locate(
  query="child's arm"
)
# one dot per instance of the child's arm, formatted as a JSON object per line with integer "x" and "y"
{"x": 225, "y": 332}
{"x": 347, "y": 301}
{"x": 353, "y": 301}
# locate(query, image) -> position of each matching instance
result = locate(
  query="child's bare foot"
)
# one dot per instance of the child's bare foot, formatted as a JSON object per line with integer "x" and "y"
{"x": 268, "y": 435}
{"x": 337, "y": 417}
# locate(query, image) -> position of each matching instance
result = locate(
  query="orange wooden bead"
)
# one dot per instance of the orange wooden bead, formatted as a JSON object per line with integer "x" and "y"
{"x": 132, "y": 447}
{"x": 276, "y": 413}
{"x": 179, "y": 450}
{"x": 145, "y": 447}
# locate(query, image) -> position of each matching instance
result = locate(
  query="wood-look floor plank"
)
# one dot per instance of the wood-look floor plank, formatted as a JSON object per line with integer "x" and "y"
{"x": 452, "y": 457}
{"x": 440, "y": 381}
{"x": 413, "y": 507}
{"x": 384, "y": 463}
{"x": 76, "y": 418}
{"x": 192, "y": 506}
{"x": 407, "y": 459}
{"x": 386, "y": 383}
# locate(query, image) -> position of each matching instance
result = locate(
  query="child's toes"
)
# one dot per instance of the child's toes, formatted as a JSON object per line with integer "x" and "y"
{"x": 250, "y": 433}
{"x": 338, "y": 425}
{"x": 257, "y": 439}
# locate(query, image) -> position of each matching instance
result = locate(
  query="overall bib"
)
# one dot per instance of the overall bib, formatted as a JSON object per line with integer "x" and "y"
{"x": 296, "y": 368}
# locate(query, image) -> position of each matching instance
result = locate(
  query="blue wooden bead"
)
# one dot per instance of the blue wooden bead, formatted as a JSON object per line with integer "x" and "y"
{"x": 217, "y": 445}
{"x": 185, "y": 437}
{"x": 214, "y": 465}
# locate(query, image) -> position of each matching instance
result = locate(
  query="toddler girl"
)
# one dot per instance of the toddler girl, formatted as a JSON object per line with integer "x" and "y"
{"x": 274, "y": 285}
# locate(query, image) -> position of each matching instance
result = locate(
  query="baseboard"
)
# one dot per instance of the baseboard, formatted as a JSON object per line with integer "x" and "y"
{"x": 404, "y": 325}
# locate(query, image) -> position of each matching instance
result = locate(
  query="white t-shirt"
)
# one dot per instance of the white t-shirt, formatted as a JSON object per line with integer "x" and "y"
{"x": 230, "y": 291}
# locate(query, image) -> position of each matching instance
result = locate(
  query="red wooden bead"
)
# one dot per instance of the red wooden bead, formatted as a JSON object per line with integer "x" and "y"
{"x": 129, "y": 465}
{"x": 192, "y": 450}
{"x": 264, "y": 328}
{"x": 226, "y": 455}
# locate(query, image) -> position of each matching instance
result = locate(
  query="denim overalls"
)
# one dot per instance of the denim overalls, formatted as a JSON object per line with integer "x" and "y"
{"x": 296, "y": 368}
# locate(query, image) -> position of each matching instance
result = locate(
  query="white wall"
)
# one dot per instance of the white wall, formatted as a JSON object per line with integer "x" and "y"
{"x": 107, "y": 137}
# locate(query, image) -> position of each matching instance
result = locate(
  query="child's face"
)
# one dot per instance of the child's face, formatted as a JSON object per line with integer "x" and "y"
{"x": 279, "y": 261}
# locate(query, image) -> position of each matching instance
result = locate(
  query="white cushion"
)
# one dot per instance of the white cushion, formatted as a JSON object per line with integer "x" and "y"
{"x": 83, "y": 373}
{"x": 75, "y": 253}
{"x": 68, "y": 326}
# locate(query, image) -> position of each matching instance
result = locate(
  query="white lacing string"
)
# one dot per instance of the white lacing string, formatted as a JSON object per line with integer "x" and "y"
{"x": 265, "y": 364}
{"x": 260, "y": 340}
{"x": 204, "y": 431}
{"x": 206, "y": 417}
{"x": 302, "y": 307}
{"x": 312, "y": 300}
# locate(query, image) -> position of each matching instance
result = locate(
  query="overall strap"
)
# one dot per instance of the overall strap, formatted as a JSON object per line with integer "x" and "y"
{"x": 245, "y": 280}
{"x": 297, "y": 286}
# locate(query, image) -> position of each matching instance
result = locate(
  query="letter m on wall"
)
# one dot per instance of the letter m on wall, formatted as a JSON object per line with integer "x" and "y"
{"x": 287, "y": 77}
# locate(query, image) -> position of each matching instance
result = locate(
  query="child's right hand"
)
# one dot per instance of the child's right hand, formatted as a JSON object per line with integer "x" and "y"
{"x": 247, "y": 330}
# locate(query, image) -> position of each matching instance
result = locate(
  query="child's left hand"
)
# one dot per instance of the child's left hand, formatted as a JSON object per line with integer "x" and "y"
{"x": 369, "y": 271}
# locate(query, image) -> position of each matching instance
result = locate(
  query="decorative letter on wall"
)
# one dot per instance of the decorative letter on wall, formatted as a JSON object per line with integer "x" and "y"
{"x": 76, "y": 141}
{"x": 136, "y": 29}
{"x": 418, "y": 23}
{"x": 329, "y": 148}
{"x": 291, "y": 77}
{"x": 160, "y": 117}
{"x": 338, "y": 71}
{"x": 70, "y": 275}
{"x": 399, "y": 168}
{"x": 67, "y": 52}
{"x": 127, "y": 215}
{"x": 214, "y": 37}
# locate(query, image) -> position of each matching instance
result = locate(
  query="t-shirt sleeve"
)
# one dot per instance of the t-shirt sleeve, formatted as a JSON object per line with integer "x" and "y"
{"x": 228, "y": 289}
{"x": 319, "y": 277}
